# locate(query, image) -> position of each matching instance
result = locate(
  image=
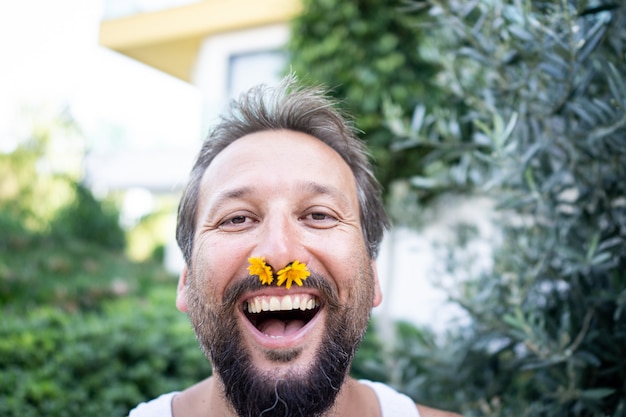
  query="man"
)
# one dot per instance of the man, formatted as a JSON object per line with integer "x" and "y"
{"x": 280, "y": 225}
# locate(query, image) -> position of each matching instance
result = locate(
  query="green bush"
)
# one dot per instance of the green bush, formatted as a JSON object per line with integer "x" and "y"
{"x": 54, "y": 363}
{"x": 75, "y": 275}
{"x": 398, "y": 362}
{"x": 59, "y": 245}
{"x": 89, "y": 220}
{"x": 368, "y": 53}
{"x": 39, "y": 192}
{"x": 545, "y": 136}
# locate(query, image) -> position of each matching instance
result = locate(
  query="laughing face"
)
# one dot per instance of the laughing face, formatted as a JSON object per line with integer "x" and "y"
{"x": 284, "y": 196}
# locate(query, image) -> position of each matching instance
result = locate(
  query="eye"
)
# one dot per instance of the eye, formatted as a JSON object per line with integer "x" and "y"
{"x": 320, "y": 219}
{"x": 319, "y": 216}
{"x": 237, "y": 222}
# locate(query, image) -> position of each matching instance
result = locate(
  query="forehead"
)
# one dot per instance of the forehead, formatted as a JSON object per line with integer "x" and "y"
{"x": 278, "y": 158}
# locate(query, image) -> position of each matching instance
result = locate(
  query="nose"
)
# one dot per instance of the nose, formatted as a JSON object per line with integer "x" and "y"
{"x": 280, "y": 241}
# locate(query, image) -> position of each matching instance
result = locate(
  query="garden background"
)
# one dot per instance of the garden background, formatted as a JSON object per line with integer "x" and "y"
{"x": 520, "y": 102}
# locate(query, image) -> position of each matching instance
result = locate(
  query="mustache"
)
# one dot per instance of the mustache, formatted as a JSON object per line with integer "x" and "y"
{"x": 251, "y": 283}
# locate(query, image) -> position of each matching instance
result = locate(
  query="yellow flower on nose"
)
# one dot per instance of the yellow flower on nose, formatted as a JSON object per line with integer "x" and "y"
{"x": 259, "y": 268}
{"x": 295, "y": 271}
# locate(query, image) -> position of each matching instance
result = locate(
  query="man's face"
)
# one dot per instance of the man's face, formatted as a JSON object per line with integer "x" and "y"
{"x": 285, "y": 196}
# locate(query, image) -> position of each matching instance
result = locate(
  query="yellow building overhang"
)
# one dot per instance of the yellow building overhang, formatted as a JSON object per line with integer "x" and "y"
{"x": 169, "y": 39}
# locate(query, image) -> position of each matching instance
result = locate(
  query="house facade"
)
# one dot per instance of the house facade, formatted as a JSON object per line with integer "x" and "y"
{"x": 220, "y": 46}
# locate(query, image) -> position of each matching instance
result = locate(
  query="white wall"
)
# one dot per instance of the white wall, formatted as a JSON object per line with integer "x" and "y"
{"x": 220, "y": 77}
{"x": 412, "y": 271}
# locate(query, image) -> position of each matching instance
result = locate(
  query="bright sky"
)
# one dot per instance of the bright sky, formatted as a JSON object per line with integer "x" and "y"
{"x": 50, "y": 57}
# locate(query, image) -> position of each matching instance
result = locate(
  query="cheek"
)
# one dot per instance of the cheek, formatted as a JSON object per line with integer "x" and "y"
{"x": 361, "y": 283}
{"x": 222, "y": 248}
{"x": 215, "y": 264}
{"x": 351, "y": 270}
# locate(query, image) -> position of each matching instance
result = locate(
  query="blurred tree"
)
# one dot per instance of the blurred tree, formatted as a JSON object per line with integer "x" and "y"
{"x": 89, "y": 219}
{"x": 368, "y": 52}
{"x": 544, "y": 134}
{"x": 54, "y": 235}
{"x": 40, "y": 189}
{"x": 25, "y": 177}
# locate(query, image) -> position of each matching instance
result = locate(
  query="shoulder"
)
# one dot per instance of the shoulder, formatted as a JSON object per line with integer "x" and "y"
{"x": 159, "y": 407}
{"x": 431, "y": 412}
{"x": 394, "y": 403}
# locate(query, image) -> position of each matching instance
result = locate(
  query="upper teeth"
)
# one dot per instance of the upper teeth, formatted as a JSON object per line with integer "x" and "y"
{"x": 285, "y": 303}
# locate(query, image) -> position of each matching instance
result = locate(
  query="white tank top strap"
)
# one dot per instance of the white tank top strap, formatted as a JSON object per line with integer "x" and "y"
{"x": 159, "y": 407}
{"x": 392, "y": 403}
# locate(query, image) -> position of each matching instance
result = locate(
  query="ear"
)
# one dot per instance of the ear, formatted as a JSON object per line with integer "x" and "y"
{"x": 378, "y": 295}
{"x": 181, "y": 290}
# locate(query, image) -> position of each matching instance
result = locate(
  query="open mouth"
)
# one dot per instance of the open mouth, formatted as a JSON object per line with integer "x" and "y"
{"x": 281, "y": 316}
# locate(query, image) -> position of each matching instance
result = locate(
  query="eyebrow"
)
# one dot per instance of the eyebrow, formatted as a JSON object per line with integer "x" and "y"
{"x": 234, "y": 193}
{"x": 307, "y": 187}
{"x": 227, "y": 195}
{"x": 313, "y": 187}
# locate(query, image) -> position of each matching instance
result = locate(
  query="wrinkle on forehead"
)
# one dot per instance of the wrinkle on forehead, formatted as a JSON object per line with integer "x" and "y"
{"x": 285, "y": 159}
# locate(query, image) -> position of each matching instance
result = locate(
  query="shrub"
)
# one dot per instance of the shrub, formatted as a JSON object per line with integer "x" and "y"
{"x": 70, "y": 274}
{"x": 57, "y": 364}
{"x": 367, "y": 52}
{"x": 90, "y": 220}
{"x": 545, "y": 136}
{"x": 59, "y": 245}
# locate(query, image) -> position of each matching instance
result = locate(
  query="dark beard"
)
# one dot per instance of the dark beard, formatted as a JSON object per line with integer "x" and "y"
{"x": 253, "y": 393}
